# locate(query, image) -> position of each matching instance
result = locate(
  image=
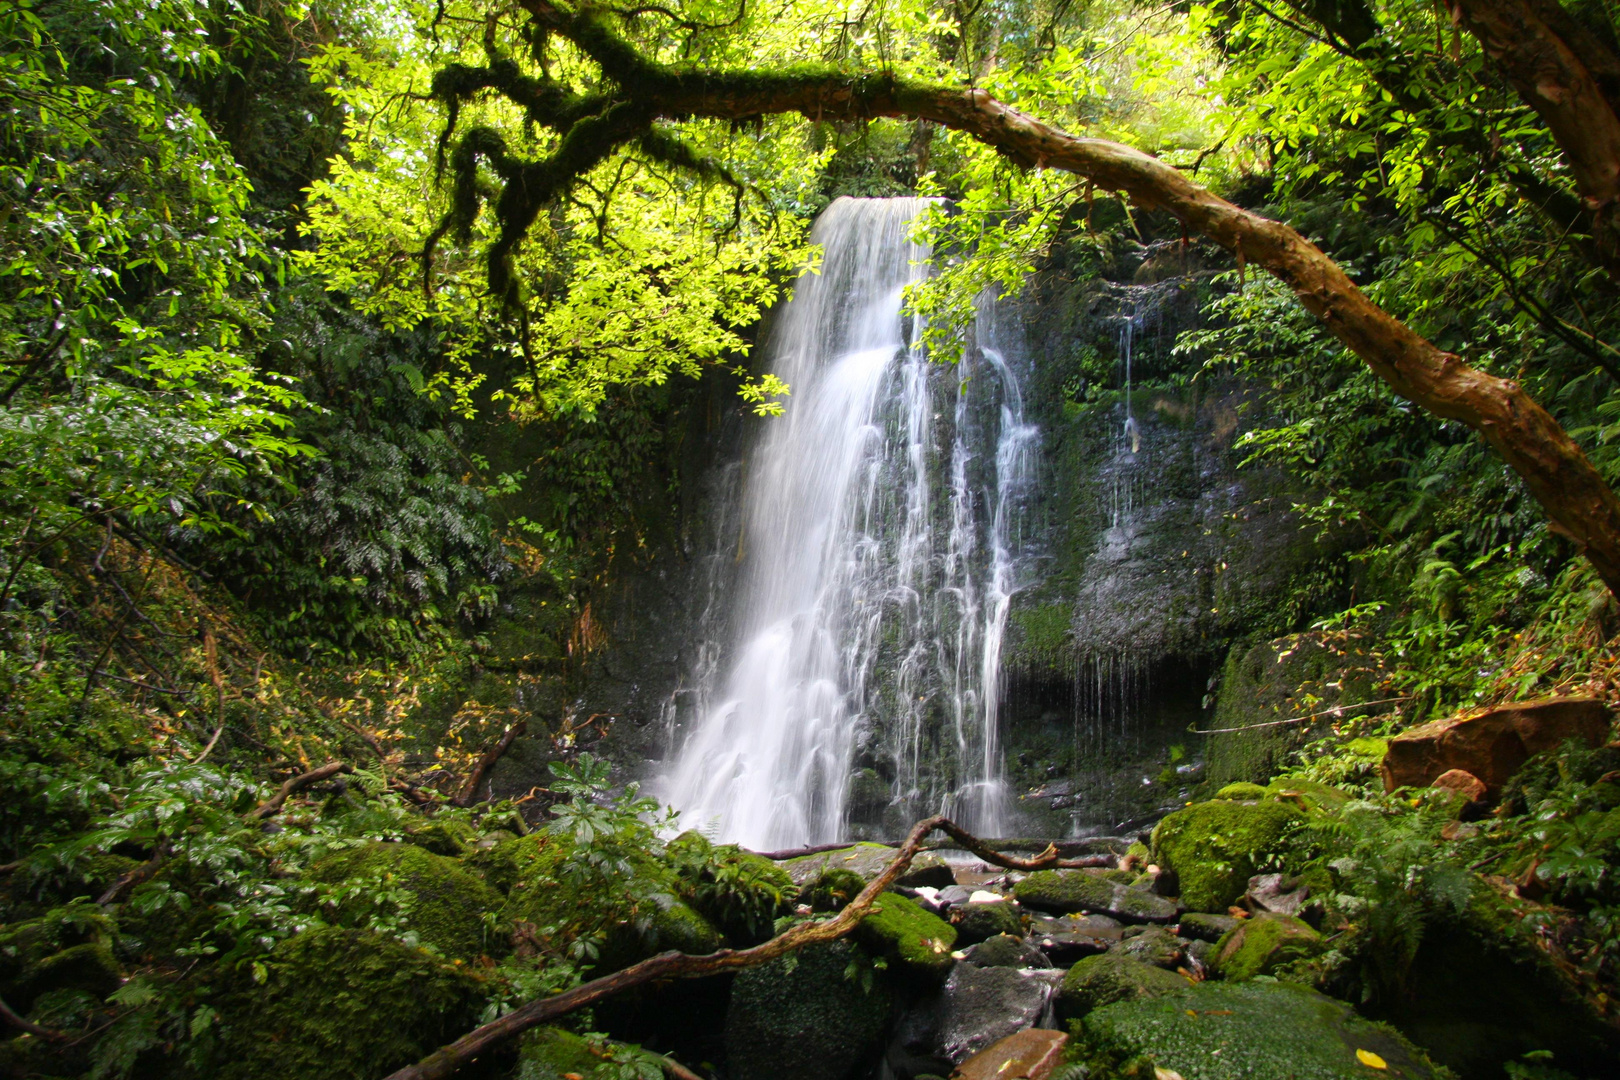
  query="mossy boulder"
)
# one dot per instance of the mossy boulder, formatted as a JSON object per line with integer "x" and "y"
{"x": 503, "y": 861}
{"x": 1102, "y": 980}
{"x": 67, "y": 948}
{"x": 832, "y": 889}
{"x": 1155, "y": 945}
{"x": 980, "y": 922}
{"x": 1263, "y": 944}
{"x": 550, "y": 1053}
{"x": 678, "y": 927}
{"x": 447, "y": 903}
{"x": 1245, "y": 1031}
{"x": 818, "y": 1014}
{"x": 1068, "y": 891}
{"x": 898, "y": 928}
{"x": 446, "y": 836}
{"x": 1215, "y": 847}
{"x": 337, "y": 1002}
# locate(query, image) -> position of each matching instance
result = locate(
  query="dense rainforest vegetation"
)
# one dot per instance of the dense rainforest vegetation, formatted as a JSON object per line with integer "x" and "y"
{"x": 352, "y": 353}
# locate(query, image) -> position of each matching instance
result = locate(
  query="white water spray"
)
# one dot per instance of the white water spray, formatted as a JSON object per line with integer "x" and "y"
{"x": 860, "y": 623}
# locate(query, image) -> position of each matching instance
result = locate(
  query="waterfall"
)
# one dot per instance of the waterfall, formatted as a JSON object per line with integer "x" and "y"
{"x": 878, "y": 555}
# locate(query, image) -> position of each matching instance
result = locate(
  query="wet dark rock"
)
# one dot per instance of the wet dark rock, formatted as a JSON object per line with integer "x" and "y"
{"x": 1072, "y": 891}
{"x": 1005, "y": 950}
{"x": 1205, "y": 927}
{"x": 976, "y": 1007}
{"x": 1276, "y": 893}
{"x": 801, "y": 1018}
{"x": 1070, "y": 939}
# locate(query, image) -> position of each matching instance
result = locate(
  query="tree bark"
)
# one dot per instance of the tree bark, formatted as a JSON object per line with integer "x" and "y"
{"x": 1554, "y": 469}
{"x": 1571, "y": 79}
{"x": 273, "y": 805}
{"x": 448, "y": 1060}
{"x": 469, "y": 790}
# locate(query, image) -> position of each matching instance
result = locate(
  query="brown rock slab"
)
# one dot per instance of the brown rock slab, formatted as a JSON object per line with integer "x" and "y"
{"x": 1492, "y": 744}
{"x": 1032, "y": 1054}
{"x": 1463, "y": 783}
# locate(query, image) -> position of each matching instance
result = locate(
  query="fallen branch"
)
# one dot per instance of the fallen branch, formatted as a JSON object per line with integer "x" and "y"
{"x": 274, "y": 804}
{"x": 1337, "y": 710}
{"x": 447, "y": 1060}
{"x": 134, "y": 877}
{"x": 676, "y": 1069}
{"x": 469, "y": 791}
{"x": 29, "y": 1026}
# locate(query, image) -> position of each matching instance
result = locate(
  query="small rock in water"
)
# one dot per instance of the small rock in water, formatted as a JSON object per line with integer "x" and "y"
{"x": 952, "y": 895}
{"x": 1030, "y": 1055}
{"x": 977, "y": 922}
{"x": 1210, "y": 928}
{"x": 982, "y": 896}
{"x": 976, "y": 1007}
{"x": 1065, "y": 941}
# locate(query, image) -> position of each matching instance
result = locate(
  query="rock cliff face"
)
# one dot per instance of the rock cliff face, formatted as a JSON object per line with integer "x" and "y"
{"x": 1149, "y": 553}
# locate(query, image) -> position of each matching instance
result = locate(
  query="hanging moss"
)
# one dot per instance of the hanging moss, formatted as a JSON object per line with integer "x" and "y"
{"x": 447, "y": 903}
{"x": 336, "y": 1002}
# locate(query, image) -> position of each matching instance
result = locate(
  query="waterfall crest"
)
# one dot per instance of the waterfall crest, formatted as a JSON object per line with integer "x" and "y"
{"x": 877, "y": 560}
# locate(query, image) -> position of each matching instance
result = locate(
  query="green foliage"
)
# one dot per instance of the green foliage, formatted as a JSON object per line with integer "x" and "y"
{"x": 738, "y": 891}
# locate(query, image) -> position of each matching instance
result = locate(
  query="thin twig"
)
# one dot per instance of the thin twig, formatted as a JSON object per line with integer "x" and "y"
{"x": 1337, "y": 710}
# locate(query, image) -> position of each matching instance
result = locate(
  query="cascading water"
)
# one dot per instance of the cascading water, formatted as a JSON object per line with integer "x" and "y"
{"x": 879, "y": 544}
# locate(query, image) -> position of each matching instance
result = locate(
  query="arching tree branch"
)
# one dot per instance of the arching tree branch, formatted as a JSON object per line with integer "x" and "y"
{"x": 1553, "y": 467}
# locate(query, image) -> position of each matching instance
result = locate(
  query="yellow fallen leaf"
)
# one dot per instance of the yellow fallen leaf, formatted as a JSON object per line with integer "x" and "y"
{"x": 1165, "y": 1074}
{"x": 1192, "y": 1014}
{"x": 1370, "y": 1059}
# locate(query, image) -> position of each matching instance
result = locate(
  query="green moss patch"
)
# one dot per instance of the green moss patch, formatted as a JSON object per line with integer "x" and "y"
{"x": 1215, "y": 847}
{"x": 898, "y": 928}
{"x": 338, "y": 1002}
{"x": 446, "y": 904}
{"x": 1263, "y": 944}
{"x": 1102, "y": 980}
{"x": 1246, "y": 1031}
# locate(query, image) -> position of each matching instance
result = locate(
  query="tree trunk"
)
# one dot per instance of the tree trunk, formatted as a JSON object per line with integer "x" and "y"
{"x": 1572, "y": 80}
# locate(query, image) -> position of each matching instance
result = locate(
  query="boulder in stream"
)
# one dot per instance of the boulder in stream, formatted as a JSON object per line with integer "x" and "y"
{"x": 976, "y": 1007}
{"x": 1102, "y": 980}
{"x": 1216, "y": 847}
{"x": 819, "y": 1014}
{"x": 868, "y": 860}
